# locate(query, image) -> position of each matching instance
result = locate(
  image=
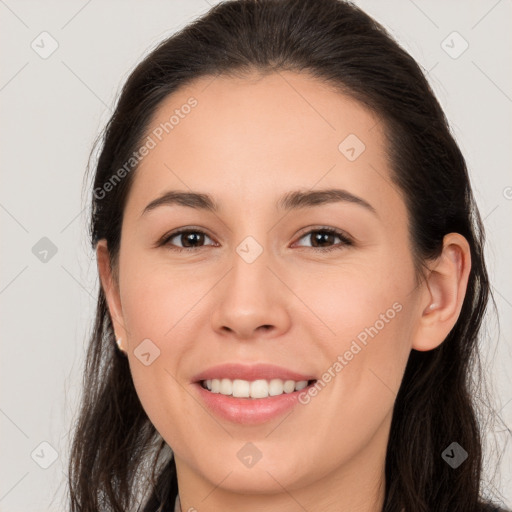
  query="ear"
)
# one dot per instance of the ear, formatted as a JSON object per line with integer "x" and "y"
{"x": 443, "y": 293}
{"x": 111, "y": 290}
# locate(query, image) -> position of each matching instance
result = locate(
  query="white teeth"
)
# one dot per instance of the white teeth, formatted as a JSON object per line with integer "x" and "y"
{"x": 215, "y": 385}
{"x": 241, "y": 388}
{"x": 259, "y": 389}
{"x": 276, "y": 387}
{"x": 290, "y": 386}
{"x": 253, "y": 389}
{"x": 301, "y": 385}
{"x": 226, "y": 387}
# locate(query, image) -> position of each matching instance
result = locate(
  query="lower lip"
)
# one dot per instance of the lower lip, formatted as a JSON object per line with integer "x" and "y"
{"x": 249, "y": 411}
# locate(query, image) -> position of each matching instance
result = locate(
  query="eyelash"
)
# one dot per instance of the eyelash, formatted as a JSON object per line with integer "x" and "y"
{"x": 345, "y": 241}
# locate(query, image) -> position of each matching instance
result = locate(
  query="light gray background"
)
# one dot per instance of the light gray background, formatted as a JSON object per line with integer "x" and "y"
{"x": 53, "y": 108}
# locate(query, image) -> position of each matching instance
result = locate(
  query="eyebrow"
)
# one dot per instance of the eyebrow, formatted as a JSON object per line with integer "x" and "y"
{"x": 290, "y": 201}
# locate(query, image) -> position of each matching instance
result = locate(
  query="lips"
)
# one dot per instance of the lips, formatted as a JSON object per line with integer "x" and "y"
{"x": 252, "y": 372}
{"x": 261, "y": 405}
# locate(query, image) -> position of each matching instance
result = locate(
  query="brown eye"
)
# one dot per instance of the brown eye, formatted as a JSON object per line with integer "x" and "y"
{"x": 188, "y": 239}
{"x": 326, "y": 236}
{"x": 322, "y": 239}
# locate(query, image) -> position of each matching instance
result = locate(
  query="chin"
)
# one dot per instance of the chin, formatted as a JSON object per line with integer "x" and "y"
{"x": 268, "y": 475}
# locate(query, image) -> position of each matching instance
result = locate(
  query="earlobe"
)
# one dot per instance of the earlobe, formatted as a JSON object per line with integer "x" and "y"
{"x": 430, "y": 307}
{"x": 444, "y": 292}
{"x": 110, "y": 289}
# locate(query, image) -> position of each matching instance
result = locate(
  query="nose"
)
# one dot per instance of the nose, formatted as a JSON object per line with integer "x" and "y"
{"x": 252, "y": 302}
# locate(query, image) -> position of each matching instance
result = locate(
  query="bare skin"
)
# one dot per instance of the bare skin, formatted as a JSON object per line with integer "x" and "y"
{"x": 246, "y": 143}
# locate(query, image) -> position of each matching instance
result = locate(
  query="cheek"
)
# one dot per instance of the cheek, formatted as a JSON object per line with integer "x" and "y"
{"x": 152, "y": 304}
{"x": 156, "y": 298}
{"x": 355, "y": 295}
{"x": 368, "y": 342}
{"x": 358, "y": 387}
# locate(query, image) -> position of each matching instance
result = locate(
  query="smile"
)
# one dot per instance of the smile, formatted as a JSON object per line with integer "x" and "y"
{"x": 250, "y": 394}
{"x": 260, "y": 388}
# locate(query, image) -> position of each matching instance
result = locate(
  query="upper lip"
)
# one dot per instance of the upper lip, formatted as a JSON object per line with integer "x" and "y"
{"x": 250, "y": 372}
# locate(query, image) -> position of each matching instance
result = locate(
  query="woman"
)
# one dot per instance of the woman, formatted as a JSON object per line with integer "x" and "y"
{"x": 291, "y": 266}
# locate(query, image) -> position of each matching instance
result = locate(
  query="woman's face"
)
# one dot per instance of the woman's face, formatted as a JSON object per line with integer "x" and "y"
{"x": 262, "y": 293}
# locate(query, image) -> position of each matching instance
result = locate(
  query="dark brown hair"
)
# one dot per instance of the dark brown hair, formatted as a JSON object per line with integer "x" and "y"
{"x": 115, "y": 447}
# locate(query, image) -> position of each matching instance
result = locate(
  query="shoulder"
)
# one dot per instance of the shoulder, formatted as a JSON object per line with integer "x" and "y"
{"x": 491, "y": 507}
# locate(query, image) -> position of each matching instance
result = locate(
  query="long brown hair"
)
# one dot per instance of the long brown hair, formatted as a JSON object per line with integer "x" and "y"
{"x": 116, "y": 451}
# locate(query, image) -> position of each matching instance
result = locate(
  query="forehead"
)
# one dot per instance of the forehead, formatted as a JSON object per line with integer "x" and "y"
{"x": 260, "y": 136}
